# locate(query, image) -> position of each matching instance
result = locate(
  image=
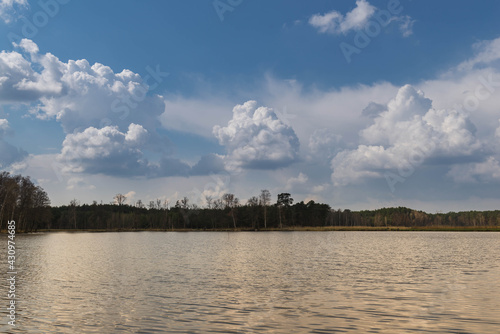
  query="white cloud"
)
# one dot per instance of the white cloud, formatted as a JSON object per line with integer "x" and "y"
{"x": 410, "y": 119}
{"x": 352, "y": 166}
{"x": 4, "y": 127}
{"x": 335, "y": 23}
{"x": 7, "y": 8}
{"x": 14, "y": 69}
{"x": 294, "y": 182}
{"x": 406, "y": 25}
{"x": 28, "y": 45}
{"x": 129, "y": 197}
{"x": 112, "y": 149}
{"x": 357, "y": 18}
{"x": 109, "y": 151}
{"x": 486, "y": 53}
{"x": 94, "y": 103}
{"x": 256, "y": 138}
{"x": 409, "y": 132}
{"x": 78, "y": 94}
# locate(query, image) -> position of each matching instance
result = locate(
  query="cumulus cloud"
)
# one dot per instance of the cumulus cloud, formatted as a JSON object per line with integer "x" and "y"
{"x": 28, "y": 46}
{"x": 111, "y": 119}
{"x": 78, "y": 94}
{"x": 14, "y": 70}
{"x": 256, "y": 138}
{"x": 105, "y": 150}
{"x": 108, "y": 151}
{"x": 336, "y": 23}
{"x": 409, "y": 131}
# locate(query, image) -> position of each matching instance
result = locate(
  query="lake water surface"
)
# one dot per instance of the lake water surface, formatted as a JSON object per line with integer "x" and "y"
{"x": 256, "y": 282}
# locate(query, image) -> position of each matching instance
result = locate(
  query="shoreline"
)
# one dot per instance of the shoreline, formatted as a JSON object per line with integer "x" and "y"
{"x": 288, "y": 229}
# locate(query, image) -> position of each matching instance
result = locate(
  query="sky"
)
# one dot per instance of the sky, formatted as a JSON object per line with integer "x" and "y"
{"x": 358, "y": 104}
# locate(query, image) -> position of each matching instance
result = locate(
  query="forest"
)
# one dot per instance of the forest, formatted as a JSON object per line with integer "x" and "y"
{"x": 29, "y": 205}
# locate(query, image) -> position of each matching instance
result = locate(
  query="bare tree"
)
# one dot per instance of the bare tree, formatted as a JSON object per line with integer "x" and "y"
{"x": 218, "y": 204}
{"x": 209, "y": 200}
{"x": 185, "y": 203}
{"x": 253, "y": 201}
{"x": 228, "y": 200}
{"x": 120, "y": 199}
{"x": 231, "y": 202}
{"x": 265, "y": 199}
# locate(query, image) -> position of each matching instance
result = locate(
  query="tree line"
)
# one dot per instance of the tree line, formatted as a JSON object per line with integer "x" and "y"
{"x": 24, "y": 202}
{"x": 29, "y": 205}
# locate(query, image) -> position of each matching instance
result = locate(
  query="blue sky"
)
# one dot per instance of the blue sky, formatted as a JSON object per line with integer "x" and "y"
{"x": 358, "y": 104}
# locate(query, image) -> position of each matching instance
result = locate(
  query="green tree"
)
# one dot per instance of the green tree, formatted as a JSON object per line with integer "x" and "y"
{"x": 284, "y": 202}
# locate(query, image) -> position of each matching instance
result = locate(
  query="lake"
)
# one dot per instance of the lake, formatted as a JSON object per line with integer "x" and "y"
{"x": 256, "y": 282}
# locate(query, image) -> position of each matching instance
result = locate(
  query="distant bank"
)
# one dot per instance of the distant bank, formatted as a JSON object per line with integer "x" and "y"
{"x": 296, "y": 229}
